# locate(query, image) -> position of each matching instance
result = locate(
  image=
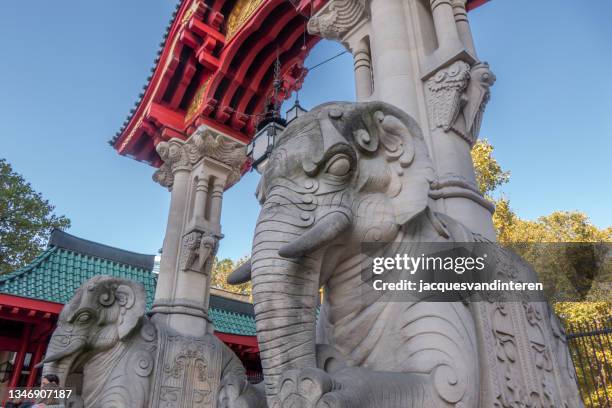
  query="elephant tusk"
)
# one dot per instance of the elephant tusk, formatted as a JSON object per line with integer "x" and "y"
{"x": 55, "y": 353}
{"x": 241, "y": 274}
{"x": 322, "y": 233}
{"x": 57, "y": 356}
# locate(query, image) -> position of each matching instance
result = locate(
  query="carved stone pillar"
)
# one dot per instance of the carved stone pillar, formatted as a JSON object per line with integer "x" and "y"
{"x": 197, "y": 171}
{"x": 463, "y": 26}
{"x": 363, "y": 71}
{"x": 173, "y": 174}
{"x": 444, "y": 25}
{"x": 419, "y": 56}
{"x": 348, "y": 21}
{"x": 396, "y": 76}
{"x": 423, "y": 60}
{"x": 456, "y": 96}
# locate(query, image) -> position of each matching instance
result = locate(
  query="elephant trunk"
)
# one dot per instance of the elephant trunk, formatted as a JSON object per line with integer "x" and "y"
{"x": 60, "y": 368}
{"x": 285, "y": 299}
{"x": 64, "y": 348}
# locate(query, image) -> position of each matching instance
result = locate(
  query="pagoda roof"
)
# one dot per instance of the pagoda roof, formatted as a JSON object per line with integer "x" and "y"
{"x": 215, "y": 67}
{"x": 55, "y": 274}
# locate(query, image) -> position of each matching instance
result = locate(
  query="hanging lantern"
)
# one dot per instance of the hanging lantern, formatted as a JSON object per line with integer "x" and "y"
{"x": 262, "y": 144}
{"x": 295, "y": 111}
{"x": 270, "y": 127}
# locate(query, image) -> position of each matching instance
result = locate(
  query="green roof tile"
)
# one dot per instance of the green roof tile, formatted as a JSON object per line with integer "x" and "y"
{"x": 231, "y": 322}
{"x": 56, "y": 273}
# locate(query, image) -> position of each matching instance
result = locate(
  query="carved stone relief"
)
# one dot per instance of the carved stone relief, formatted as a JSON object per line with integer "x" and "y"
{"x": 199, "y": 249}
{"x": 337, "y": 18}
{"x": 177, "y": 154}
{"x": 457, "y": 96}
{"x": 189, "y": 374}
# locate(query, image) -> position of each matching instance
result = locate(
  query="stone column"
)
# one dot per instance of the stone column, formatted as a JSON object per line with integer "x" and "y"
{"x": 419, "y": 56}
{"x": 463, "y": 26}
{"x": 197, "y": 171}
{"x": 392, "y": 58}
{"x": 444, "y": 25}
{"x": 455, "y": 98}
{"x": 348, "y": 21}
{"x": 363, "y": 70}
{"x": 174, "y": 174}
{"x": 424, "y": 61}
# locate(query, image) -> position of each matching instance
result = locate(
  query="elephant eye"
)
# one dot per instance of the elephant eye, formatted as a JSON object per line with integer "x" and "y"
{"x": 83, "y": 318}
{"x": 339, "y": 165}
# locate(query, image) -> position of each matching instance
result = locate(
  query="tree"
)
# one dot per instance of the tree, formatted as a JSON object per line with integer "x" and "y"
{"x": 578, "y": 269}
{"x": 221, "y": 270}
{"x": 489, "y": 174}
{"x": 572, "y": 269}
{"x": 584, "y": 269}
{"x": 559, "y": 226}
{"x": 26, "y": 220}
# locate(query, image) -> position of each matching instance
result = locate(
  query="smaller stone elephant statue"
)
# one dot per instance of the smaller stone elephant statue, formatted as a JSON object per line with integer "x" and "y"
{"x": 127, "y": 360}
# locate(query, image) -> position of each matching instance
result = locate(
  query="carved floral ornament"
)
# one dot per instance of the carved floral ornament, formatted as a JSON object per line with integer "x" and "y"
{"x": 457, "y": 96}
{"x": 182, "y": 155}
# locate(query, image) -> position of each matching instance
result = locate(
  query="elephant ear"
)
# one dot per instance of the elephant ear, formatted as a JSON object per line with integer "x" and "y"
{"x": 394, "y": 136}
{"x": 131, "y": 298}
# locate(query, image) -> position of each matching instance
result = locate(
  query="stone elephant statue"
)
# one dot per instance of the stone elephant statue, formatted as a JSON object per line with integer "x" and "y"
{"x": 341, "y": 175}
{"x": 124, "y": 360}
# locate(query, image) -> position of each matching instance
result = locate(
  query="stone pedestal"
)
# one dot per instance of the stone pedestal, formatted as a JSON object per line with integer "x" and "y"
{"x": 196, "y": 171}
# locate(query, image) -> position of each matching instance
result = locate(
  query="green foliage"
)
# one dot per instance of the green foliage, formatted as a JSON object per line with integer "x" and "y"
{"x": 222, "y": 269}
{"x": 581, "y": 312}
{"x": 26, "y": 220}
{"x": 489, "y": 174}
{"x": 592, "y": 368}
{"x": 559, "y": 226}
{"x": 562, "y": 247}
{"x": 556, "y": 266}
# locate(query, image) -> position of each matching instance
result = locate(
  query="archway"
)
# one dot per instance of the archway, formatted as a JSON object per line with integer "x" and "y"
{"x": 215, "y": 67}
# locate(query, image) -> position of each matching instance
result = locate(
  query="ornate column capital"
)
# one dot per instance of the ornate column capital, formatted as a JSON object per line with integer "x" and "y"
{"x": 179, "y": 155}
{"x": 206, "y": 142}
{"x": 337, "y": 18}
{"x": 347, "y": 21}
{"x": 175, "y": 158}
{"x": 457, "y": 95}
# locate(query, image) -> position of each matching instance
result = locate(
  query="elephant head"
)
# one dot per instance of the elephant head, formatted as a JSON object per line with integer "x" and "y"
{"x": 103, "y": 312}
{"x": 343, "y": 174}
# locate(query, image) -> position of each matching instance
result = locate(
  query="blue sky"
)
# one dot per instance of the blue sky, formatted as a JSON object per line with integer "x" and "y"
{"x": 71, "y": 70}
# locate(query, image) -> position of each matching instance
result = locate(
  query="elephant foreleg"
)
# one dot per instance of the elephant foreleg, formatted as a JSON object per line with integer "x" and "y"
{"x": 356, "y": 387}
{"x": 235, "y": 391}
